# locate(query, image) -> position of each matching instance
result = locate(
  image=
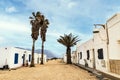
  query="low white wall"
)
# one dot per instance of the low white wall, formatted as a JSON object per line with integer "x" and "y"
{"x": 65, "y": 58}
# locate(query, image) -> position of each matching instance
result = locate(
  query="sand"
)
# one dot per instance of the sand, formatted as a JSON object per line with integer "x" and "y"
{"x": 52, "y": 70}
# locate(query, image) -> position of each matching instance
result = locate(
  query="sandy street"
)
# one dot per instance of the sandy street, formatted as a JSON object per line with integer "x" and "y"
{"x": 52, "y": 70}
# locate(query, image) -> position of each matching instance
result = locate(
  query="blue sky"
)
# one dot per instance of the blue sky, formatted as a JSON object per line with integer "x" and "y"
{"x": 65, "y": 16}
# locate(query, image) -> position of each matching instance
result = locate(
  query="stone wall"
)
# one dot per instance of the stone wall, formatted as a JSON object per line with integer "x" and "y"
{"x": 115, "y": 66}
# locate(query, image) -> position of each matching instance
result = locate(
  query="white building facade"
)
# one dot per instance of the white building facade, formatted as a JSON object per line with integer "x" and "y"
{"x": 17, "y": 57}
{"x": 85, "y": 53}
{"x": 102, "y": 52}
{"x": 113, "y": 25}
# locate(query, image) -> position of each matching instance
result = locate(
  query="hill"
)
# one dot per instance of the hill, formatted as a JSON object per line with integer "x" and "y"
{"x": 47, "y": 52}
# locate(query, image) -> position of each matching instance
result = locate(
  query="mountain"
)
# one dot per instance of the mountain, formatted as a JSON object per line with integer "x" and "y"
{"x": 47, "y": 52}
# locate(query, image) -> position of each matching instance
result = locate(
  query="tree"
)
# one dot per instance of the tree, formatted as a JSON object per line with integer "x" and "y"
{"x": 43, "y": 31}
{"x": 68, "y": 41}
{"x": 39, "y": 23}
{"x": 36, "y": 23}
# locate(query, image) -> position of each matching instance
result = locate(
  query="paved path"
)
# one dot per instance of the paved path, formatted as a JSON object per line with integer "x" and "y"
{"x": 53, "y": 70}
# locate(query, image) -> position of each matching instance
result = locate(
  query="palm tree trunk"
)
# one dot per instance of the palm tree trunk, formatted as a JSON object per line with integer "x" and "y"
{"x": 69, "y": 55}
{"x": 42, "y": 50}
{"x": 32, "y": 62}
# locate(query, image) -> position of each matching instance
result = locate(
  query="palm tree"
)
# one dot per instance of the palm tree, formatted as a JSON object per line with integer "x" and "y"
{"x": 43, "y": 36}
{"x": 36, "y": 24}
{"x": 39, "y": 23}
{"x": 68, "y": 41}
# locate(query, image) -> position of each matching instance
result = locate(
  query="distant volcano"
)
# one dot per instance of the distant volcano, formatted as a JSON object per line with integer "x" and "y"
{"x": 47, "y": 52}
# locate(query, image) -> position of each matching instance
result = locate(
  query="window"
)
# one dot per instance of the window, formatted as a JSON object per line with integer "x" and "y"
{"x": 100, "y": 53}
{"x": 80, "y": 55}
{"x": 16, "y": 58}
{"x": 29, "y": 57}
{"x": 88, "y": 55}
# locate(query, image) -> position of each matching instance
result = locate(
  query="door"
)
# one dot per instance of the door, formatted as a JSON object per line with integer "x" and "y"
{"x": 94, "y": 65}
{"x": 16, "y": 58}
{"x": 23, "y": 59}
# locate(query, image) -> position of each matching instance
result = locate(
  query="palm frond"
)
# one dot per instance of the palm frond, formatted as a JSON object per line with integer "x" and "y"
{"x": 33, "y": 13}
{"x": 68, "y": 40}
{"x": 31, "y": 17}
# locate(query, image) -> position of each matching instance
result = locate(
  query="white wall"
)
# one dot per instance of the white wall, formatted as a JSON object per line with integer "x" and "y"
{"x": 114, "y": 37}
{"x": 4, "y": 53}
{"x": 83, "y": 48}
{"x": 37, "y": 58}
{"x": 20, "y": 59}
{"x": 100, "y": 42}
{"x": 65, "y": 58}
{"x": 45, "y": 58}
{"x": 74, "y": 57}
{"x": 111, "y": 51}
{"x": 7, "y": 56}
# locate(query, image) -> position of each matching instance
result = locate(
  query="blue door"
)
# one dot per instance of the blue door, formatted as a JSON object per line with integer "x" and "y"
{"x": 16, "y": 58}
{"x": 29, "y": 57}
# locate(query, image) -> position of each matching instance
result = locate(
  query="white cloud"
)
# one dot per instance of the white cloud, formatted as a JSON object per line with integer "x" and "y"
{"x": 11, "y": 9}
{"x": 13, "y": 27}
{"x": 72, "y": 4}
{"x": 2, "y": 39}
{"x": 54, "y": 34}
{"x": 14, "y": 32}
{"x": 12, "y": 24}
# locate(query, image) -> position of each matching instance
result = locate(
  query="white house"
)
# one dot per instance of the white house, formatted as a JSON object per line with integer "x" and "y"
{"x": 74, "y": 57}
{"x": 113, "y": 25}
{"x": 107, "y": 46}
{"x": 37, "y": 58}
{"x": 85, "y": 53}
{"x": 44, "y": 58}
{"x": 65, "y": 58}
{"x": 16, "y": 57}
{"x": 102, "y": 52}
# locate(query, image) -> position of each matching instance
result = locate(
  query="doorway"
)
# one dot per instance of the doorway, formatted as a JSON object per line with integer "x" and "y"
{"x": 94, "y": 63}
{"x": 23, "y": 59}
